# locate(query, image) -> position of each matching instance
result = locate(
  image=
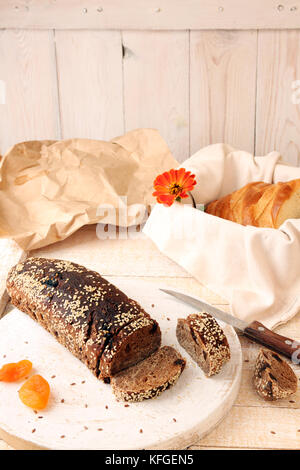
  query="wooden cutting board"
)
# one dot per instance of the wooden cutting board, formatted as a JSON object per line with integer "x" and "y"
{"x": 82, "y": 411}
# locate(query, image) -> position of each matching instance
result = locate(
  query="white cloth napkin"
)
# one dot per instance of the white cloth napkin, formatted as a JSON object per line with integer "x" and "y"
{"x": 257, "y": 270}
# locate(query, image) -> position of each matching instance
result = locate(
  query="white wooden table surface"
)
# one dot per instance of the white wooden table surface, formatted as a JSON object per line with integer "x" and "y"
{"x": 252, "y": 423}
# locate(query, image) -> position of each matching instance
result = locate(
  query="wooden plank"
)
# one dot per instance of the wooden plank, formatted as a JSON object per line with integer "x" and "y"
{"x": 89, "y": 65}
{"x": 149, "y": 14}
{"x": 27, "y": 66}
{"x": 278, "y": 115}
{"x": 156, "y": 85}
{"x": 222, "y": 88}
{"x": 269, "y": 428}
{"x": 4, "y": 446}
{"x": 252, "y": 421}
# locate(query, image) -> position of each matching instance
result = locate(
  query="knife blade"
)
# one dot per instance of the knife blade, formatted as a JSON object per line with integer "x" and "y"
{"x": 255, "y": 331}
{"x": 215, "y": 312}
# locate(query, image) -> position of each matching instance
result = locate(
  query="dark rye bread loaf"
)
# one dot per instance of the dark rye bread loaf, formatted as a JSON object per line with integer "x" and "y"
{"x": 273, "y": 377}
{"x": 91, "y": 317}
{"x": 204, "y": 340}
{"x": 149, "y": 378}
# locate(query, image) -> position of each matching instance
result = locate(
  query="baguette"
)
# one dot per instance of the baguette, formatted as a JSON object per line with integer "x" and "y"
{"x": 260, "y": 204}
{"x": 87, "y": 314}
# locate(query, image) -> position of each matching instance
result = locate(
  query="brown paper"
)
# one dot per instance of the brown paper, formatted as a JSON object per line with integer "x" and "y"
{"x": 49, "y": 189}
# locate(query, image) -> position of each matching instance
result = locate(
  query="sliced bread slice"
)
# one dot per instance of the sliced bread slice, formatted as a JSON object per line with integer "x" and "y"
{"x": 204, "y": 340}
{"x": 273, "y": 377}
{"x": 150, "y": 377}
{"x": 287, "y": 202}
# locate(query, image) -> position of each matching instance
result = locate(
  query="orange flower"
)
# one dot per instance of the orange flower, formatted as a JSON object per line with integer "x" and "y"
{"x": 173, "y": 185}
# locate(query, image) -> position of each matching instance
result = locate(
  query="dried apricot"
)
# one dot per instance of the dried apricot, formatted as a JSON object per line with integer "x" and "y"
{"x": 35, "y": 392}
{"x": 15, "y": 371}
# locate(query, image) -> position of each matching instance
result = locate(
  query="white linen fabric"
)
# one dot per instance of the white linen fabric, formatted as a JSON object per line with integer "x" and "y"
{"x": 257, "y": 270}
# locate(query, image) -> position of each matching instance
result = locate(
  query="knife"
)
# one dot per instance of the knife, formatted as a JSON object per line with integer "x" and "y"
{"x": 255, "y": 331}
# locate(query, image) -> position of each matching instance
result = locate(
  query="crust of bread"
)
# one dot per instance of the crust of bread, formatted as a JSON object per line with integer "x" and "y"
{"x": 149, "y": 378}
{"x": 273, "y": 377}
{"x": 204, "y": 340}
{"x": 260, "y": 204}
{"x": 80, "y": 308}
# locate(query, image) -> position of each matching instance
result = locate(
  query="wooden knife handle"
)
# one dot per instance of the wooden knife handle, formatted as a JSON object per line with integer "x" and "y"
{"x": 286, "y": 346}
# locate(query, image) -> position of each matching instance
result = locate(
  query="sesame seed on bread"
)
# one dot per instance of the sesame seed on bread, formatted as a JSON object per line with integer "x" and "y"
{"x": 273, "y": 377}
{"x": 81, "y": 309}
{"x": 204, "y": 340}
{"x": 149, "y": 378}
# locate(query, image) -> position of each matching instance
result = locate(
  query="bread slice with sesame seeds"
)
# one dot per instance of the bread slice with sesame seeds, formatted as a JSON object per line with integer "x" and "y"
{"x": 85, "y": 313}
{"x": 204, "y": 340}
{"x": 131, "y": 345}
{"x": 273, "y": 377}
{"x": 149, "y": 378}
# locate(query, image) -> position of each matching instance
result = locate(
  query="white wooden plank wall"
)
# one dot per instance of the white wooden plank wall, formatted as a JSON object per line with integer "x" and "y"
{"x": 27, "y": 67}
{"x": 222, "y": 88}
{"x": 278, "y": 117}
{"x": 156, "y": 85}
{"x": 89, "y": 66}
{"x": 196, "y": 87}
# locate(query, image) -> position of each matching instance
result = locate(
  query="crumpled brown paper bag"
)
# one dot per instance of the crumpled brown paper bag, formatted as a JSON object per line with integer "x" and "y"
{"x": 49, "y": 189}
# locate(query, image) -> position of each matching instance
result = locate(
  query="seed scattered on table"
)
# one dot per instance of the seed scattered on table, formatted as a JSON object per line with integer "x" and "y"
{"x": 63, "y": 436}
{"x": 99, "y": 429}
{"x": 33, "y": 430}
{"x": 62, "y": 400}
{"x": 174, "y": 420}
{"x": 273, "y": 432}
{"x": 141, "y": 431}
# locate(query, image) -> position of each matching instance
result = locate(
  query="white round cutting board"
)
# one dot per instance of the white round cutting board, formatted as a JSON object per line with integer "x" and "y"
{"x": 83, "y": 413}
